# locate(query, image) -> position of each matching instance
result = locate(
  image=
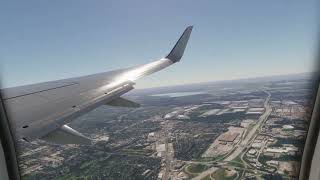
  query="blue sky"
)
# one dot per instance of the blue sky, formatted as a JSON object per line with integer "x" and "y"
{"x": 47, "y": 40}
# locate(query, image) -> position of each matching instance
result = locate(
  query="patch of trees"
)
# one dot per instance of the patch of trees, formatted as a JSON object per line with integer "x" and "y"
{"x": 189, "y": 148}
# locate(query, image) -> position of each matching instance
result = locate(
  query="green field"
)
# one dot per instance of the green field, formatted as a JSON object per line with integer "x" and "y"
{"x": 196, "y": 168}
{"x": 221, "y": 174}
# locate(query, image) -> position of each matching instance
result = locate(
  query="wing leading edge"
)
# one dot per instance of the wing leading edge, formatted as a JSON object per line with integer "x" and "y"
{"x": 43, "y": 110}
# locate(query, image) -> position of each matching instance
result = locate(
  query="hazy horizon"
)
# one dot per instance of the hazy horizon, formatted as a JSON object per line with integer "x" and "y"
{"x": 237, "y": 79}
{"x": 137, "y": 87}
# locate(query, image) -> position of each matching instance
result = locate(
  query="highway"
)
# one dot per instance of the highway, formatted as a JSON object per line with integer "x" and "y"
{"x": 244, "y": 142}
{"x": 167, "y": 160}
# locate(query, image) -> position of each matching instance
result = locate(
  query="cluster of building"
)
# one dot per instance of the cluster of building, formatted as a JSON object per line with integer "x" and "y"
{"x": 280, "y": 125}
{"x": 289, "y": 109}
{"x": 253, "y": 108}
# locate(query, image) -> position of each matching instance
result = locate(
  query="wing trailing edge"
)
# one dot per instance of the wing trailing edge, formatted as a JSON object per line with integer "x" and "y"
{"x": 66, "y": 135}
{"x": 122, "y": 102}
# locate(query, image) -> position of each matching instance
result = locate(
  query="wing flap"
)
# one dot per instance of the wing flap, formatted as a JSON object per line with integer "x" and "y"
{"x": 122, "y": 102}
{"x": 66, "y": 135}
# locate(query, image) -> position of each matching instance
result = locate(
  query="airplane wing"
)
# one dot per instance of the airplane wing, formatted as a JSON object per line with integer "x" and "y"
{"x": 41, "y": 111}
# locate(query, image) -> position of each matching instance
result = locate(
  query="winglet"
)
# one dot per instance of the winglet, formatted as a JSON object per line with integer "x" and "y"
{"x": 177, "y": 51}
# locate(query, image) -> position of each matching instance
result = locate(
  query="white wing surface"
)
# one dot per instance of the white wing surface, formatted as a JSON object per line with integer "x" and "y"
{"x": 43, "y": 110}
